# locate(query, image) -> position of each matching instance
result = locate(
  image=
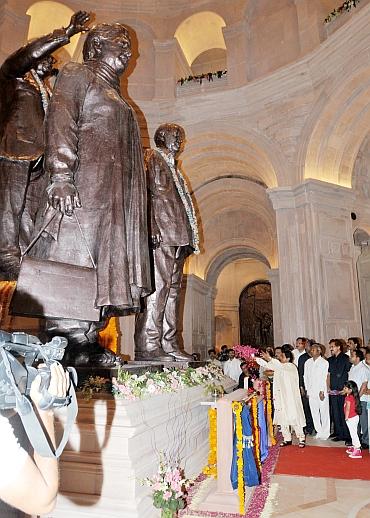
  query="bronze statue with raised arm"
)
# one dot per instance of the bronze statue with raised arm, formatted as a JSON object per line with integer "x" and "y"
{"x": 24, "y": 97}
{"x": 174, "y": 236}
{"x": 94, "y": 157}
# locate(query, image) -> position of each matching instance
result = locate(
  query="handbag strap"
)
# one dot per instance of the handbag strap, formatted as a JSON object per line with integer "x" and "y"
{"x": 44, "y": 227}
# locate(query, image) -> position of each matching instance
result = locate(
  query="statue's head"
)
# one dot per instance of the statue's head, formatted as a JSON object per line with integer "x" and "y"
{"x": 170, "y": 137}
{"x": 108, "y": 43}
{"x": 44, "y": 66}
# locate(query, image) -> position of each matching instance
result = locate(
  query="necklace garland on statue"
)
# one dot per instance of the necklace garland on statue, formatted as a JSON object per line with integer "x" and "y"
{"x": 45, "y": 92}
{"x": 185, "y": 198}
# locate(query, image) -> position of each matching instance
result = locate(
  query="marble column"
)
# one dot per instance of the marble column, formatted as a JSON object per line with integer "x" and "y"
{"x": 318, "y": 282}
{"x": 236, "y": 41}
{"x": 273, "y": 275}
{"x": 197, "y": 315}
{"x": 165, "y": 69}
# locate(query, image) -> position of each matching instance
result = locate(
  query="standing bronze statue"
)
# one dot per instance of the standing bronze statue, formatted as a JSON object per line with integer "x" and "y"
{"x": 24, "y": 98}
{"x": 94, "y": 157}
{"x": 174, "y": 236}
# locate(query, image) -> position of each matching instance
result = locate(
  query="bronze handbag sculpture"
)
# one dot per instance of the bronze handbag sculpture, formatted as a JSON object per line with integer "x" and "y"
{"x": 52, "y": 289}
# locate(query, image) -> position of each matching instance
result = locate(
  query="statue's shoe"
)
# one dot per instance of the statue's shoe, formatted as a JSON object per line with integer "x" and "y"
{"x": 153, "y": 356}
{"x": 181, "y": 356}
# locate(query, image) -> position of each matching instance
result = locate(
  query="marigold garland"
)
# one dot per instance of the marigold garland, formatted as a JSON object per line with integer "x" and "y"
{"x": 270, "y": 425}
{"x": 256, "y": 432}
{"x": 211, "y": 468}
{"x": 6, "y": 292}
{"x": 237, "y": 409}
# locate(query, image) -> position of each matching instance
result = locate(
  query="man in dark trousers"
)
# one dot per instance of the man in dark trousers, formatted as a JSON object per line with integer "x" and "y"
{"x": 24, "y": 98}
{"x": 174, "y": 236}
{"x": 309, "y": 429}
{"x": 339, "y": 366}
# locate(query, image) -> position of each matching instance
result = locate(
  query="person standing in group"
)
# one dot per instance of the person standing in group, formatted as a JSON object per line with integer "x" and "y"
{"x": 287, "y": 401}
{"x": 352, "y": 411}
{"x": 300, "y": 348}
{"x": 339, "y": 366}
{"x": 213, "y": 358}
{"x": 354, "y": 342}
{"x": 232, "y": 366}
{"x": 315, "y": 382}
{"x": 309, "y": 429}
{"x": 360, "y": 374}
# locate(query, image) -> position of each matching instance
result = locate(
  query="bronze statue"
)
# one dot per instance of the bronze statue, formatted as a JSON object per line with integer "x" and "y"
{"x": 174, "y": 236}
{"x": 24, "y": 97}
{"x": 94, "y": 157}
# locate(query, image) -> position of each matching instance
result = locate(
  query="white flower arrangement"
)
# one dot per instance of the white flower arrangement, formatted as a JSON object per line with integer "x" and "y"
{"x": 133, "y": 387}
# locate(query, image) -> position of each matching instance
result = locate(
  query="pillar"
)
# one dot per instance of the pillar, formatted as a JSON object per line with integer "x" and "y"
{"x": 237, "y": 53}
{"x": 273, "y": 276}
{"x": 317, "y": 267}
{"x": 165, "y": 69}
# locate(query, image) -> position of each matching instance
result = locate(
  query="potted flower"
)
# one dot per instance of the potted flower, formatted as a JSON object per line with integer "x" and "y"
{"x": 169, "y": 487}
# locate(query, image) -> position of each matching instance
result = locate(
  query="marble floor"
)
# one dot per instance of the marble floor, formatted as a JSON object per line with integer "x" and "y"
{"x": 309, "y": 497}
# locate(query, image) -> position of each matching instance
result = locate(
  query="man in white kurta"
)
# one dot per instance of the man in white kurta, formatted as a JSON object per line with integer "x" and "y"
{"x": 315, "y": 381}
{"x": 287, "y": 397}
{"x": 232, "y": 366}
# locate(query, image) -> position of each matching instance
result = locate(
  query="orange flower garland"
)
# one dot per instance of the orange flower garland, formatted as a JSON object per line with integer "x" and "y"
{"x": 256, "y": 432}
{"x": 270, "y": 425}
{"x": 237, "y": 409}
{"x": 6, "y": 292}
{"x": 211, "y": 468}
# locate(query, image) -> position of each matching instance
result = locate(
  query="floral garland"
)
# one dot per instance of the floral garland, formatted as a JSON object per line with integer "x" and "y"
{"x": 45, "y": 92}
{"x": 256, "y": 433}
{"x": 133, "y": 387}
{"x": 211, "y": 468}
{"x": 6, "y": 292}
{"x": 346, "y": 6}
{"x": 199, "y": 78}
{"x": 185, "y": 198}
{"x": 270, "y": 425}
{"x": 237, "y": 410}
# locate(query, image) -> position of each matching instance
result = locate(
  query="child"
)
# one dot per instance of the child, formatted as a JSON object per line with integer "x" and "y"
{"x": 352, "y": 410}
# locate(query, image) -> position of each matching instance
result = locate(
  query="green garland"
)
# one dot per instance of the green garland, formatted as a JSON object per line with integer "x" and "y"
{"x": 345, "y": 7}
{"x": 199, "y": 79}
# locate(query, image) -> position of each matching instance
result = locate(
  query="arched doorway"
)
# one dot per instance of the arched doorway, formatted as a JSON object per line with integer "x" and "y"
{"x": 255, "y": 314}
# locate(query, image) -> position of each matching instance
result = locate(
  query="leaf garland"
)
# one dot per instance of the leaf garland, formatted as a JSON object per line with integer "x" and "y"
{"x": 345, "y": 7}
{"x": 209, "y": 76}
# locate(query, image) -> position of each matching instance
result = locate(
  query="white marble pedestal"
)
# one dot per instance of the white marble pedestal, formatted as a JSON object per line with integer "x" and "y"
{"x": 115, "y": 443}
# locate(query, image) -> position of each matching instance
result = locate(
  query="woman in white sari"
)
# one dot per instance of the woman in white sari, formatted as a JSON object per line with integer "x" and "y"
{"x": 287, "y": 398}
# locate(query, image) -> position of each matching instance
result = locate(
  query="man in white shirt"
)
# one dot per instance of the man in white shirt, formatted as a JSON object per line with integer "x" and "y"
{"x": 315, "y": 381}
{"x": 300, "y": 348}
{"x": 213, "y": 358}
{"x": 360, "y": 374}
{"x": 232, "y": 366}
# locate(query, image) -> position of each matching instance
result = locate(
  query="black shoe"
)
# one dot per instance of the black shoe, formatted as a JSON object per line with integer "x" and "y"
{"x": 364, "y": 446}
{"x": 285, "y": 443}
{"x": 336, "y": 439}
{"x": 181, "y": 356}
{"x": 332, "y": 435}
{"x": 348, "y": 443}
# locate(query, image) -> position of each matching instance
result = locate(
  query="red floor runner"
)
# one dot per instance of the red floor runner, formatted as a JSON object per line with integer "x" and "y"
{"x": 315, "y": 461}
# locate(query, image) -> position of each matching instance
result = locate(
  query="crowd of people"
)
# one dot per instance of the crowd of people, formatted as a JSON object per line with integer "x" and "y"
{"x": 317, "y": 391}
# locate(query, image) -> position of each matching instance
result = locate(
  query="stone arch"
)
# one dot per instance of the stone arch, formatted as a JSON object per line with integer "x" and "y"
{"x": 339, "y": 130}
{"x": 200, "y": 32}
{"x": 228, "y": 256}
{"x": 243, "y": 152}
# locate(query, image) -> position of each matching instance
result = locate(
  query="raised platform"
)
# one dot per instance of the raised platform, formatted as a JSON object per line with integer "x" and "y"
{"x": 115, "y": 443}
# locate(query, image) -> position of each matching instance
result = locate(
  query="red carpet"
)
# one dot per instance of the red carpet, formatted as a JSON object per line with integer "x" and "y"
{"x": 315, "y": 461}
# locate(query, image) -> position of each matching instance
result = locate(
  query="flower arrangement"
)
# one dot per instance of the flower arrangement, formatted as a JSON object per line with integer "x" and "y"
{"x": 247, "y": 353}
{"x": 132, "y": 387}
{"x": 199, "y": 78}
{"x": 170, "y": 487}
{"x": 345, "y": 7}
{"x": 93, "y": 385}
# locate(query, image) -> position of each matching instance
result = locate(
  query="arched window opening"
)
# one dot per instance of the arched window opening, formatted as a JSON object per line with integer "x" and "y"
{"x": 255, "y": 314}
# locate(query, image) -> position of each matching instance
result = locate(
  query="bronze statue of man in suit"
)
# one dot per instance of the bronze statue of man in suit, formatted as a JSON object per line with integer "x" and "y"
{"x": 94, "y": 157}
{"x": 24, "y": 98}
{"x": 174, "y": 236}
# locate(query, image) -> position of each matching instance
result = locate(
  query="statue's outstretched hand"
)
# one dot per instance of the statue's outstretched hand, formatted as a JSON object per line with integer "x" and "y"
{"x": 78, "y": 23}
{"x": 63, "y": 196}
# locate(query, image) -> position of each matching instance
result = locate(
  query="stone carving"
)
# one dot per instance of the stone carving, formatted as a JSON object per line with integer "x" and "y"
{"x": 94, "y": 157}
{"x": 24, "y": 97}
{"x": 174, "y": 236}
